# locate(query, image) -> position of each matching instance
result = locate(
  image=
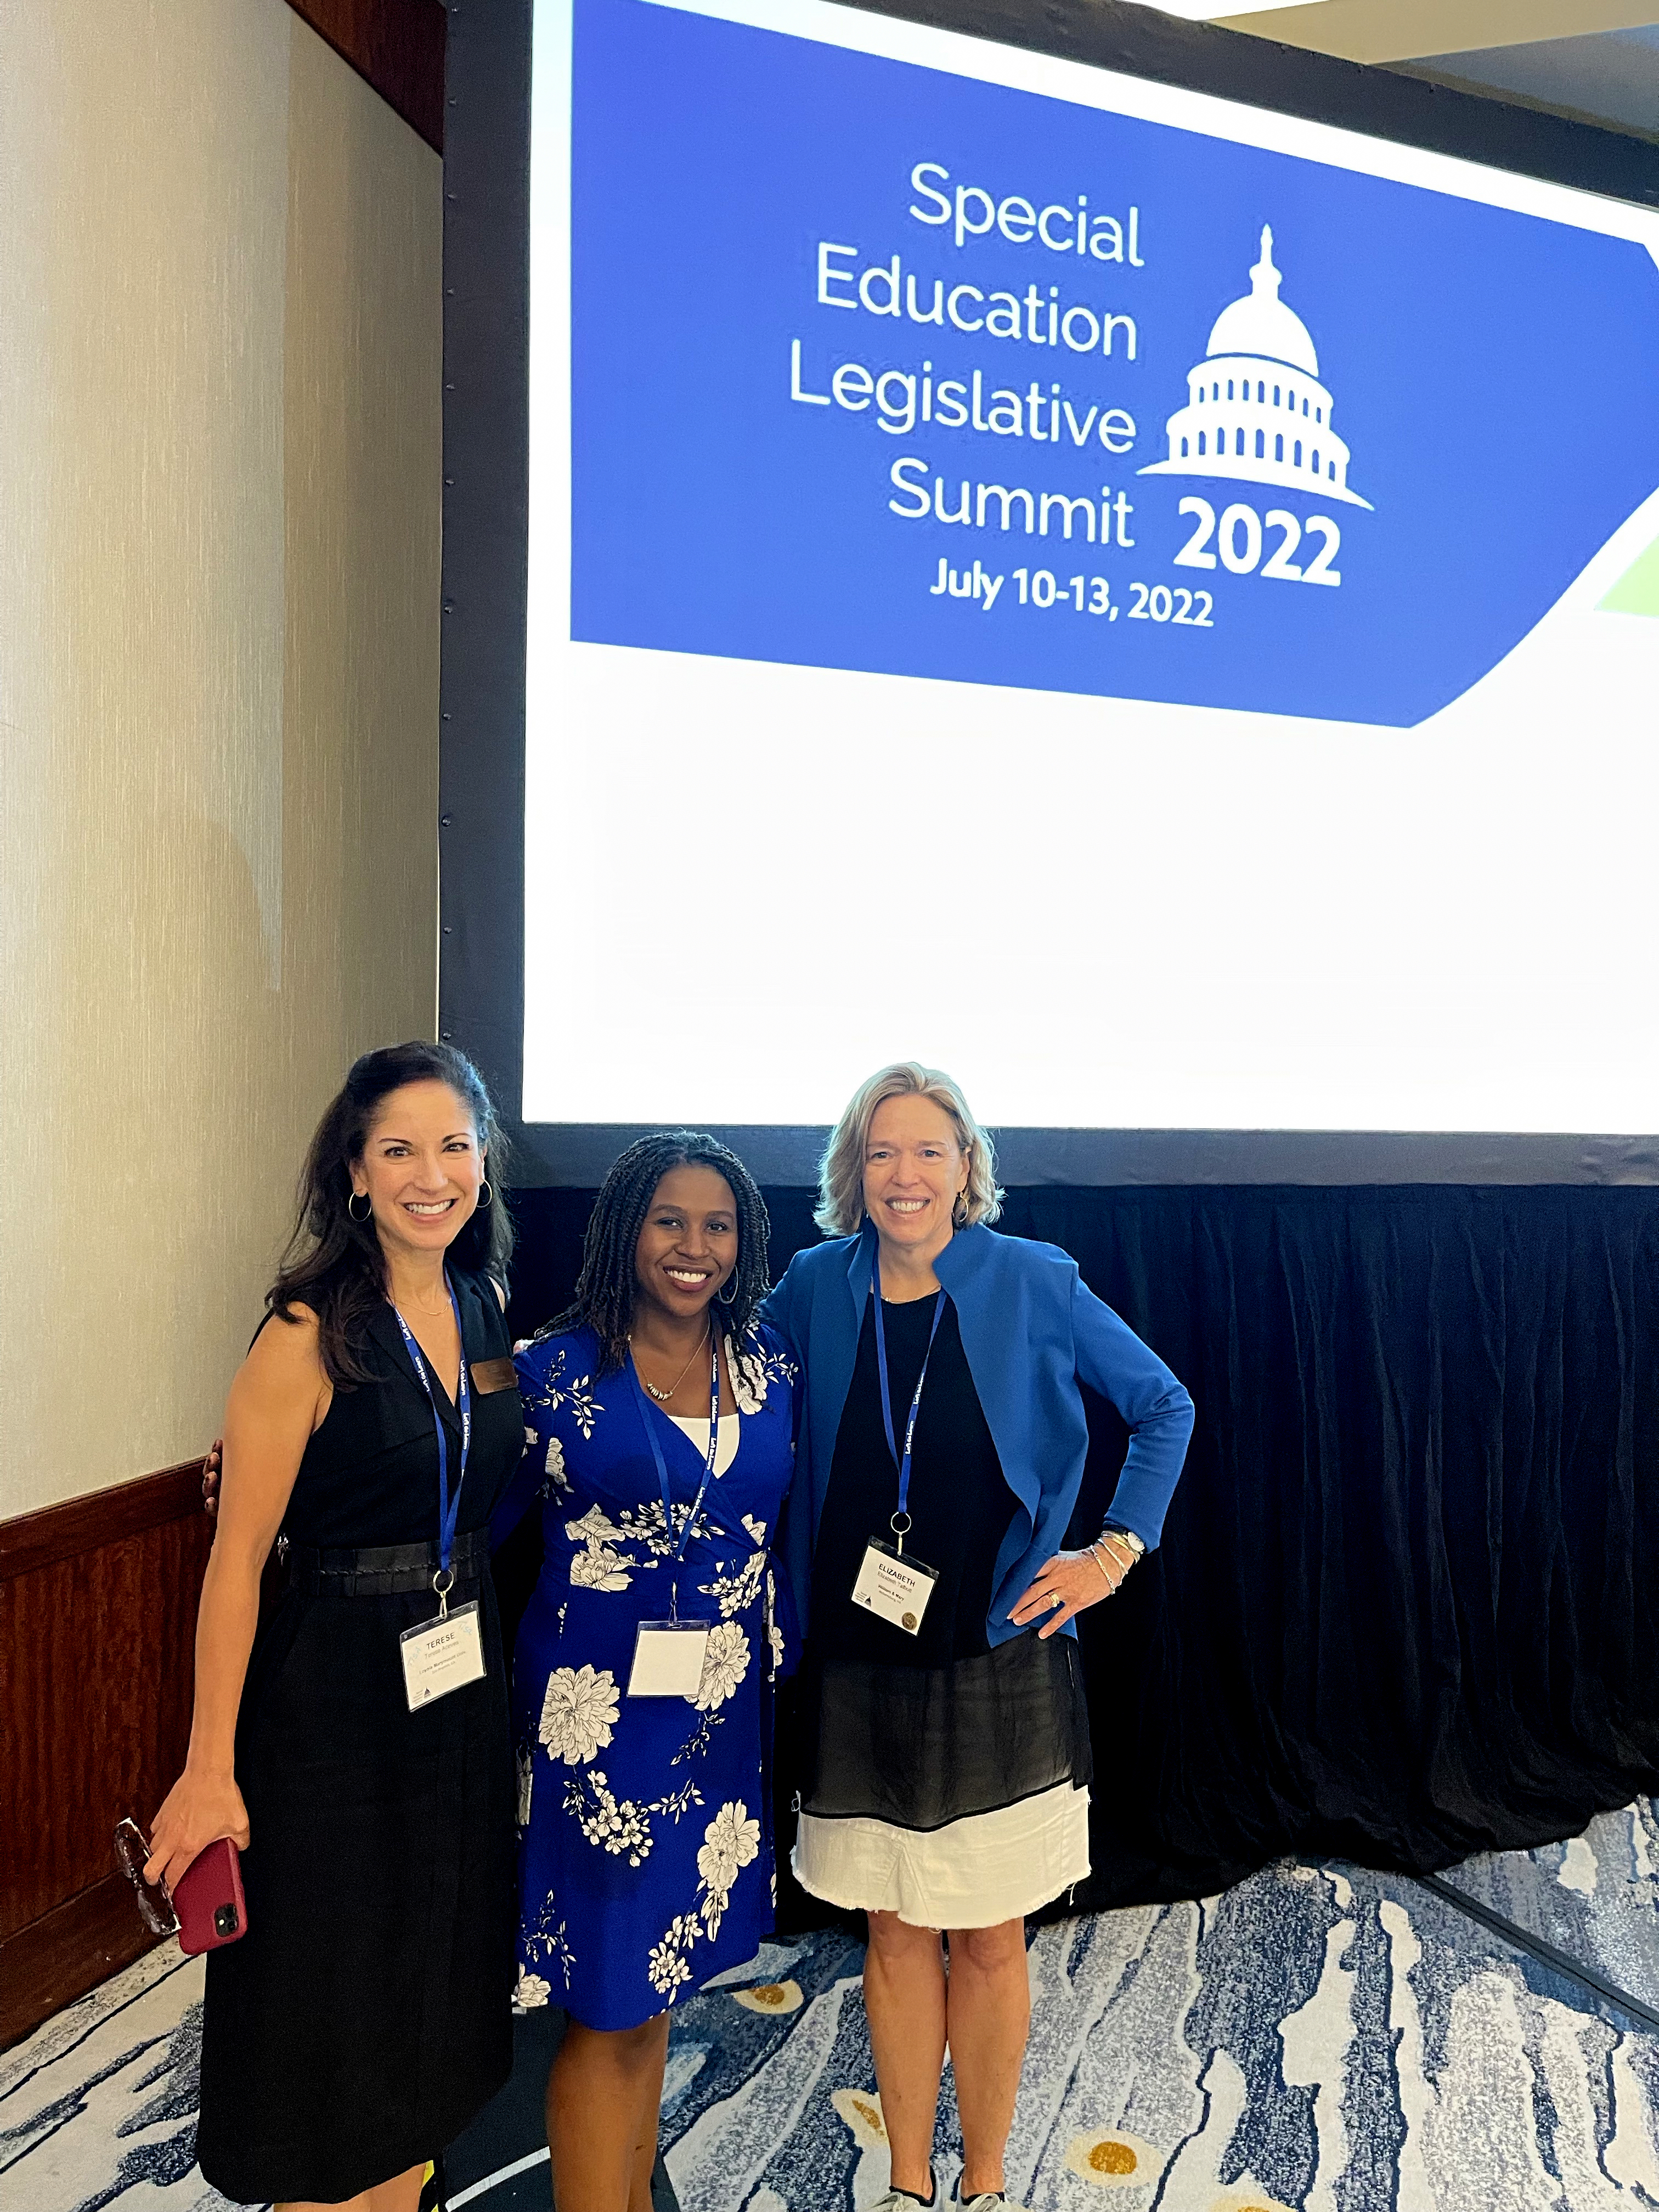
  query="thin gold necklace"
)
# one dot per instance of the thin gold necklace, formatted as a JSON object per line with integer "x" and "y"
{"x": 663, "y": 1396}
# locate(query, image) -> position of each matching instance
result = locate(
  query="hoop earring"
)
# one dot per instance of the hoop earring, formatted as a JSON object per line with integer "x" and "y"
{"x": 486, "y": 1196}
{"x": 351, "y": 1207}
{"x": 721, "y": 1298}
{"x": 959, "y": 1211}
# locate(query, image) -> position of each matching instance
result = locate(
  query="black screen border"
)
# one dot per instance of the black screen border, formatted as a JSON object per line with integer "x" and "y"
{"x": 481, "y": 947}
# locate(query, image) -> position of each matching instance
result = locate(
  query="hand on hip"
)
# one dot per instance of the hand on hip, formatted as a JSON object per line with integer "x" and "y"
{"x": 1071, "y": 1582}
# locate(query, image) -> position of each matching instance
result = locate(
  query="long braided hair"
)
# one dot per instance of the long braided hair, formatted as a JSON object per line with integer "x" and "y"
{"x": 606, "y": 1288}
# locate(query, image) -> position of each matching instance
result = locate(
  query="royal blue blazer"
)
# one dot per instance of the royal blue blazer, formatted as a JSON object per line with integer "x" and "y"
{"x": 1032, "y": 1330}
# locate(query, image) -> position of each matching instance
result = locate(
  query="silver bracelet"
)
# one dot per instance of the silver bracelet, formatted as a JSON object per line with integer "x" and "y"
{"x": 1094, "y": 1553}
{"x": 1130, "y": 1544}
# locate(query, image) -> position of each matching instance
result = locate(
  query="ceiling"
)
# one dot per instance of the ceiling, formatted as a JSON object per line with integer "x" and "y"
{"x": 1595, "y": 60}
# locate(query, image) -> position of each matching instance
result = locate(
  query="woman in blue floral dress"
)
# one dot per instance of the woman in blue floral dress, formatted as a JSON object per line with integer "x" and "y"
{"x": 645, "y": 1847}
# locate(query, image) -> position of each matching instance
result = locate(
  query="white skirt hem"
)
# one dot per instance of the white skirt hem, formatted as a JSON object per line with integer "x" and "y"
{"x": 974, "y": 1873}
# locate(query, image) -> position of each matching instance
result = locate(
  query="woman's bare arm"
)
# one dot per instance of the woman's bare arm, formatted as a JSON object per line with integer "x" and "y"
{"x": 279, "y": 1396}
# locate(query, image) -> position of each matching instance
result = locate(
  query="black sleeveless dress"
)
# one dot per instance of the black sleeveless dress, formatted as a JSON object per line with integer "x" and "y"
{"x": 365, "y": 2016}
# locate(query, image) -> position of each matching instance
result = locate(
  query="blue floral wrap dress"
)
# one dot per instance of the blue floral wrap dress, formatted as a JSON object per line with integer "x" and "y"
{"x": 645, "y": 1852}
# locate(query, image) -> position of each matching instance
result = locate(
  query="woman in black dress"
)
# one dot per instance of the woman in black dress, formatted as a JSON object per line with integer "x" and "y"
{"x": 364, "y": 2017}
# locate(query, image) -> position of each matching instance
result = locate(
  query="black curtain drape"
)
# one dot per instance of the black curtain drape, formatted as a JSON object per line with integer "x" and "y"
{"x": 1402, "y": 1610}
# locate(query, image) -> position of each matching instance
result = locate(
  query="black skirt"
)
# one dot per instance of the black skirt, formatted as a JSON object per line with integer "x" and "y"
{"x": 365, "y": 2017}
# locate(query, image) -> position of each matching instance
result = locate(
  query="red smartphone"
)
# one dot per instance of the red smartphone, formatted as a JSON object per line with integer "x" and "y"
{"x": 207, "y": 1899}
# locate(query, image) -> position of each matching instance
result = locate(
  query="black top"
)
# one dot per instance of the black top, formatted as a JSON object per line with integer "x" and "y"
{"x": 960, "y": 1503}
{"x": 922, "y": 1730}
{"x": 370, "y": 1475}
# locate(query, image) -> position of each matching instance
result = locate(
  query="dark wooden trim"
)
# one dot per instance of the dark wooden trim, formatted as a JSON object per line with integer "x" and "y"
{"x": 104, "y": 1516}
{"x": 67, "y": 1952}
{"x": 397, "y": 46}
{"x": 96, "y": 1629}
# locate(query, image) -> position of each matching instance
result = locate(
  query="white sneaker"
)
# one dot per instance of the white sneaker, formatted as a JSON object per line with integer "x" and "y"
{"x": 999, "y": 2202}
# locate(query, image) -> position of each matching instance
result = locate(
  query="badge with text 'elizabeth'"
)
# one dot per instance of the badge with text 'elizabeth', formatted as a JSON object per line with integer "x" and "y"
{"x": 894, "y": 1587}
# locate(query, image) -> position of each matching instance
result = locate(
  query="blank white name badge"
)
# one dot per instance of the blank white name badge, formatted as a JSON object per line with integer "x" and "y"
{"x": 442, "y": 1656}
{"x": 893, "y": 1588}
{"x": 668, "y": 1656}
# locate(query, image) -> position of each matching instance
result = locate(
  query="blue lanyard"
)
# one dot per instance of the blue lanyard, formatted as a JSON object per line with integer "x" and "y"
{"x": 655, "y": 1443}
{"x": 449, "y": 1509}
{"x": 901, "y": 1464}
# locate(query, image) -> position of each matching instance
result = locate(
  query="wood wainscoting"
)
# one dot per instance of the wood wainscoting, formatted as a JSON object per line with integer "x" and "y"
{"x": 97, "y": 1625}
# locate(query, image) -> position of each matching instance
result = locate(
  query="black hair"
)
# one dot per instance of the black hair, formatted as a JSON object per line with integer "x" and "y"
{"x": 333, "y": 1262}
{"x": 606, "y": 1288}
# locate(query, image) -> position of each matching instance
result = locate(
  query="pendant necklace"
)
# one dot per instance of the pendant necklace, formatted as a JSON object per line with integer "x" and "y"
{"x": 663, "y": 1396}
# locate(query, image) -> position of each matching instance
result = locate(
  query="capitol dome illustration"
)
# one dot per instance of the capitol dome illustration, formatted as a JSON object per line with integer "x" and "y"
{"x": 1256, "y": 408}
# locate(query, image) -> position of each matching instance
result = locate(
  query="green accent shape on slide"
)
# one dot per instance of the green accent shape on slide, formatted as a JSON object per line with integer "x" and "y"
{"x": 1636, "y": 592}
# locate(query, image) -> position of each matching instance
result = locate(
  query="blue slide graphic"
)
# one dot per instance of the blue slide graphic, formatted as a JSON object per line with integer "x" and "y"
{"x": 876, "y": 367}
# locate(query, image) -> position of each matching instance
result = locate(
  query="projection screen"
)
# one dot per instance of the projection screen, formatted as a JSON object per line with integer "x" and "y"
{"x": 1149, "y": 604}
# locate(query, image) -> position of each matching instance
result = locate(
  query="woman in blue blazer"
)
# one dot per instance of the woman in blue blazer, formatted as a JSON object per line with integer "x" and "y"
{"x": 941, "y": 1452}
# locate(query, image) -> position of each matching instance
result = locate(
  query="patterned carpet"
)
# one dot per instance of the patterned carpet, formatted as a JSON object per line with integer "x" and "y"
{"x": 1317, "y": 2039}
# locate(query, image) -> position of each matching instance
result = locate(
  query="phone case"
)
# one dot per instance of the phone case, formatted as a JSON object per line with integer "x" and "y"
{"x": 208, "y": 1901}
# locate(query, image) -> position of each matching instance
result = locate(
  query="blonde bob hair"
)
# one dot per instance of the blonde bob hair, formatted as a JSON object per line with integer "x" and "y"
{"x": 841, "y": 1171}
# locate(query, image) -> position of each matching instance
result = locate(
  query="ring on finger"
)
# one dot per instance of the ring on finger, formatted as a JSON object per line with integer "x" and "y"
{"x": 1054, "y": 1599}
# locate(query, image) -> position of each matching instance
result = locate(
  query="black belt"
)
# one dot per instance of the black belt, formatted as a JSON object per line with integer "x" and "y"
{"x": 385, "y": 1570}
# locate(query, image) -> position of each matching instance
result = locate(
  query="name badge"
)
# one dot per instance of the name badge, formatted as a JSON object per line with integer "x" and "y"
{"x": 442, "y": 1656}
{"x": 892, "y": 1588}
{"x": 668, "y": 1656}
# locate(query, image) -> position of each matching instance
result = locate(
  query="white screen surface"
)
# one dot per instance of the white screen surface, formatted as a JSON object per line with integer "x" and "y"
{"x": 1136, "y": 822}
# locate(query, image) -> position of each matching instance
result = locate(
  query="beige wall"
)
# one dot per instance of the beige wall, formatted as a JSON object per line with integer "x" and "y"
{"x": 220, "y": 467}
{"x": 1401, "y": 30}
